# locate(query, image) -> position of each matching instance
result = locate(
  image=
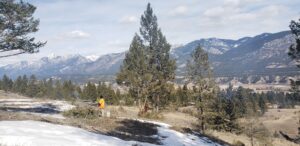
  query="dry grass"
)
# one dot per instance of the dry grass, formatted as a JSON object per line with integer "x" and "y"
{"x": 10, "y": 95}
{"x": 174, "y": 118}
{"x": 191, "y": 110}
{"x": 232, "y": 138}
{"x": 286, "y": 120}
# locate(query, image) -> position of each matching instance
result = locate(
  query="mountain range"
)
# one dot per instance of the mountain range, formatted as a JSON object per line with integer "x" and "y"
{"x": 264, "y": 54}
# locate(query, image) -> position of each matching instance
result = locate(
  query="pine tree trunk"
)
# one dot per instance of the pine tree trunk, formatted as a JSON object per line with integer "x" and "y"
{"x": 251, "y": 134}
{"x": 145, "y": 107}
{"x": 202, "y": 119}
{"x": 157, "y": 104}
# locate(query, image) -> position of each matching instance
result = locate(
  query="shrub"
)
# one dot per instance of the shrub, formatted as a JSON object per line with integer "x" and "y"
{"x": 150, "y": 115}
{"x": 83, "y": 112}
{"x": 276, "y": 134}
{"x": 238, "y": 143}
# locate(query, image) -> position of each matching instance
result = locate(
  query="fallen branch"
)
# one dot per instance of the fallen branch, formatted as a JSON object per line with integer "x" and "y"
{"x": 295, "y": 140}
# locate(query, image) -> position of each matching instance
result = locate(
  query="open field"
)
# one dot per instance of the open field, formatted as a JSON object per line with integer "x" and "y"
{"x": 261, "y": 88}
{"x": 285, "y": 120}
{"x": 122, "y": 123}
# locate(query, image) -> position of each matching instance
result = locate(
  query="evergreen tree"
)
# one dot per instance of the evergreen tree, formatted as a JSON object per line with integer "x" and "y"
{"x": 24, "y": 84}
{"x": 57, "y": 93}
{"x": 161, "y": 66}
{"x": 7, "y": 83}
{"x": 229, "y": 91}
{"x": 107, "y": 92}
{"x": 68, "y": 90}
{"x": 32, "y": 88}
{"x": 179, "y": 95}
{"x": 118, "y": 97}
{"x": 17, "y": 85}
{"x": 262, "y": 105}
{"x": 90, "y": 91}
{"x": 240, "y": 101}
{"x": 182, "y": 95}
{"x": 16, "y": 23}
{"x": 294, "y": 53}
{"x": 49, "y": 88}
{"x": 78, "y": 92}
{"x": 134, "y": 71}
{"x": 200, "y": 74}
{"x": 252, "y": 105}
{"x": 185, "y": 97}
{"x": 1, "y": 85}
{"x": 42, "y": 88}
{"x": 148, "y": 67}
{"x": 230, "y": 116}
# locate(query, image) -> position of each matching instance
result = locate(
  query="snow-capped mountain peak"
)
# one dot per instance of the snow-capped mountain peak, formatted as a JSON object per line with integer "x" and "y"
{"x": 245, "y": 55}
{"x": 92, "y": 57}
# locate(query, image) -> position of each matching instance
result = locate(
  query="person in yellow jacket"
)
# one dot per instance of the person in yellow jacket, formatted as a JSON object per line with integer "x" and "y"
{"x": 101, "y": 103}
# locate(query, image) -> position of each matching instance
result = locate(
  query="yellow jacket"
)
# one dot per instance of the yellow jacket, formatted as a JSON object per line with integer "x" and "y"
{"x": 101, "y": 103}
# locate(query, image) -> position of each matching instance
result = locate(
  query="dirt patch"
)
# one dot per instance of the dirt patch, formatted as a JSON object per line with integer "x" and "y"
{"x": 137, "y": 131}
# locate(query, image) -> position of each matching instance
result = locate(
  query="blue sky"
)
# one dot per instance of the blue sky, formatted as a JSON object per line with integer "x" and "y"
{"x": 97, "y": 27}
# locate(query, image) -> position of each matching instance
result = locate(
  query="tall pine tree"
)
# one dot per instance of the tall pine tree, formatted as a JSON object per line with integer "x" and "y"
{"x": 200, "y": 74}
{"x": 7, "y": 83}
{"x": 294, "y": 53}
{"x": 148, "y": 67}
{"x": 161, "y": 65}
{"x": 134, "y": 71}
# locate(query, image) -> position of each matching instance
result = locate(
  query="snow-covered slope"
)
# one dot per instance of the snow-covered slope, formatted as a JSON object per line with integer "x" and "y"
{"x": 33, "y": 133}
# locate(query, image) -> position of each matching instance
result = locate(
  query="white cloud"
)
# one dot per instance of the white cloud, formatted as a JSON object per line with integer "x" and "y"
{"x": 114, "y": 42}
{"x": 233, "y": 12}
{"x": 273, "y": 10}
{"x": 128, "y": 19}
{"x": 236, "y": 3}
{"x": 77, "y": 34}
{"x": 179, "y": 10}
{"x": 215, "y": 12}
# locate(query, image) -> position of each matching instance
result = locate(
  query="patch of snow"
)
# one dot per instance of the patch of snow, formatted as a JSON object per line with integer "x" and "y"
{"x": 182, "y": 65}
{"x": 276, "y": 65}
{"x": 33, "y": 133}
{"x": 214, "y": 51}
{"x": 25, "y": 104}
{"x": 63, "y": 105}
{"x": 171, "y": 137}
{"x": 16, "y": 100}
{"x": 52, "y": 56}
{"x": 271, "y": 66}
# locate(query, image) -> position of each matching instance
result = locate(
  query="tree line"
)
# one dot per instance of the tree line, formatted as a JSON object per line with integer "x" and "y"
{"x": 62, "y": 90}
{"x": 219, "y": 110}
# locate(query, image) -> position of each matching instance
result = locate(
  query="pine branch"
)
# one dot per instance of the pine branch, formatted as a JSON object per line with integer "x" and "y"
{"x": 12, "y": 54}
